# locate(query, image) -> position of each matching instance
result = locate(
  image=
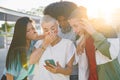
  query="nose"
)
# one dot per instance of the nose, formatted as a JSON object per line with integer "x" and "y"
{"x": 49, "y": 32}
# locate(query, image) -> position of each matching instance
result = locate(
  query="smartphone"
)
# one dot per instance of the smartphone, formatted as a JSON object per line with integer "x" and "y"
{"x": 51, "y": 61}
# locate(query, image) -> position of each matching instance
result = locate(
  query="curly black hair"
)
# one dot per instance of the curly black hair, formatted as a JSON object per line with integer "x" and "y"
{"x": 57, "y": 9}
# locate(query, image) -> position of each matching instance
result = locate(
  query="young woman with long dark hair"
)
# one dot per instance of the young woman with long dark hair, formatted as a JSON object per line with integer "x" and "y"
{"x": 17, "y": 66}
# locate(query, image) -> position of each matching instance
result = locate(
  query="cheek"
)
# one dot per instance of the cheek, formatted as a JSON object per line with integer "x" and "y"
{"x": 46, "y": 33}
{"x": 31, "y": 36}
{"x": 28, "y": 36}
{"x": 56, "y": 31}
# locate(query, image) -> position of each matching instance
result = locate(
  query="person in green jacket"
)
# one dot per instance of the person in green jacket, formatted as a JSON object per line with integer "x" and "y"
{"x": 106, "y": 67}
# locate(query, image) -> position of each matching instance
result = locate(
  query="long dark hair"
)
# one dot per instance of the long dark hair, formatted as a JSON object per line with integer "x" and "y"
{"x": 17, "y": 51}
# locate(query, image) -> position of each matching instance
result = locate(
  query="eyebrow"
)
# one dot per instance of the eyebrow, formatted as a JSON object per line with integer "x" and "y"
{"x": 53, "y": 26}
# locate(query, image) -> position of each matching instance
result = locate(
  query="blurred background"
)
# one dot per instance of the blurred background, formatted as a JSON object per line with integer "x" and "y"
{"x": 105, "y": 13}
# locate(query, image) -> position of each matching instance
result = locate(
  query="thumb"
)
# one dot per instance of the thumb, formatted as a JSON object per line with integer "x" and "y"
{"x": 58, "y": 64}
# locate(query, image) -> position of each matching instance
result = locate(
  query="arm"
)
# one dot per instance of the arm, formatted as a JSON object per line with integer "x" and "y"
{"x": 36, "y": 54}
{"x": 100, "y": 41}
{"x": 9, "y": 76}
{"x": 58, "y": 69}
{"x": 40, "y": 37}
{"x": 68, "y": 69}
{"x": 101, "y": 44}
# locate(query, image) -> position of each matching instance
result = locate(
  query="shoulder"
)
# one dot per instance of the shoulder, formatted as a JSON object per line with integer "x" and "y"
{"x": 38, "y": 43}
{"x": 67, "y": 41}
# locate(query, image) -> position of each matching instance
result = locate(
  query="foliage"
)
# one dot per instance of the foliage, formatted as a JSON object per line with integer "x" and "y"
{"x": 6, "y": 27}
{"x": 34, "y": 11}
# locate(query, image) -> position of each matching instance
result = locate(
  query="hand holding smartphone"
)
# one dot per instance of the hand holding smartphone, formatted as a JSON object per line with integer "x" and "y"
{"x": 50, "y": 61}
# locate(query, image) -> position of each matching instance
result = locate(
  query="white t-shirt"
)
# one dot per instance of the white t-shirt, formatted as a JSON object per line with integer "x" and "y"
{"x": 62, "y": 52}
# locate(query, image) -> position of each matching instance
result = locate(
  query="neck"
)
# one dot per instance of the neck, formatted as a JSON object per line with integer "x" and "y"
{"x": 57, "y": 39}
{"x": 66, "y": 29}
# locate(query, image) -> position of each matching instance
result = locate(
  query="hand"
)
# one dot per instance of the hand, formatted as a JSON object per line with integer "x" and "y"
{"x": 52, "y": 68}
{"x": 86, "y": 25}
{"x": 80, "y": 46}
{"x": 41, "y": 37}
{"x": 48, "y": 39}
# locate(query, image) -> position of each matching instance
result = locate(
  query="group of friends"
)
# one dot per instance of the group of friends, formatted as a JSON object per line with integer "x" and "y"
{"x": 70, "y": 48}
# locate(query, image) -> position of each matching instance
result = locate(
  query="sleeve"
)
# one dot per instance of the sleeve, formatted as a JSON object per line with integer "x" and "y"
{"x": 114, "y": 48}
{"x": 13, "y": 71}
{"x": 71, "y": 50}
{"x": 38, "y": 43}
{"x": 114, "y": 51}
{"x": 101, "y": 44}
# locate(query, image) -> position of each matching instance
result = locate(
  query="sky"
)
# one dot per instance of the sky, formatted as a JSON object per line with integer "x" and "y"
{"x": 24, "y": 4}
{"x": 94, "y": 7}
{"x": 28, "y": 4}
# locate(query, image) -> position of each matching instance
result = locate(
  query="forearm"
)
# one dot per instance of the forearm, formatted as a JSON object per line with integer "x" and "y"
{"x": 35, "y": 56}
{"x": 68, "y": 69}
{"x": 101, "y": 44}
{"x": 40, "y": 37}
{"x": 65, "y": 71}
{"x": 9, "y": 77}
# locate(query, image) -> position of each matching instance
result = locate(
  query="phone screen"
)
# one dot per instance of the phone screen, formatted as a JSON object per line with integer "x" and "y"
{"x": 51, "y": 61}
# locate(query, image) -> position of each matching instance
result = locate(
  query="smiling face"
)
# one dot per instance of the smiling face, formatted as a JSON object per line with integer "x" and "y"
{"x": 76, "y": 25}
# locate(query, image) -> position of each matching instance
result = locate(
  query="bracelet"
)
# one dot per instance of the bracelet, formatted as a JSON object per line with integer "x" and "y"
{"x": 42, "y": 47}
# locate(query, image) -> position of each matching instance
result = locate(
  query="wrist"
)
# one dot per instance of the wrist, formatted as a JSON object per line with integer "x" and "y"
{"x": 42, "y": 47}
{"x": 58, "y": 70}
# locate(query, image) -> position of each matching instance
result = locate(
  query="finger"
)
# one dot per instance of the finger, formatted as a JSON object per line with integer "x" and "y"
{"x": 58, "y": 64}
{"x": 52, "y": 37}
{"x": 79, "y": 51}
{"x": 86, "y": 23}
{"x": 53, "y": 70}
{"x": 47, "y": 67}
{"x": 50, "y": 65}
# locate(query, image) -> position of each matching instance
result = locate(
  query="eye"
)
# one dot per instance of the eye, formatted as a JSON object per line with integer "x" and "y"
{"x": 75, "y": 25}
{"x": 28, "y": 30}
{"x": 45, "y": 30}
{"x": 33, "y": 28}
{"x": 53, "y": 27}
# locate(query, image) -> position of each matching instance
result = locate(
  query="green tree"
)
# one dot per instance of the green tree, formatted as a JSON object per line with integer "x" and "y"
{"x": 6, "y": 27}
